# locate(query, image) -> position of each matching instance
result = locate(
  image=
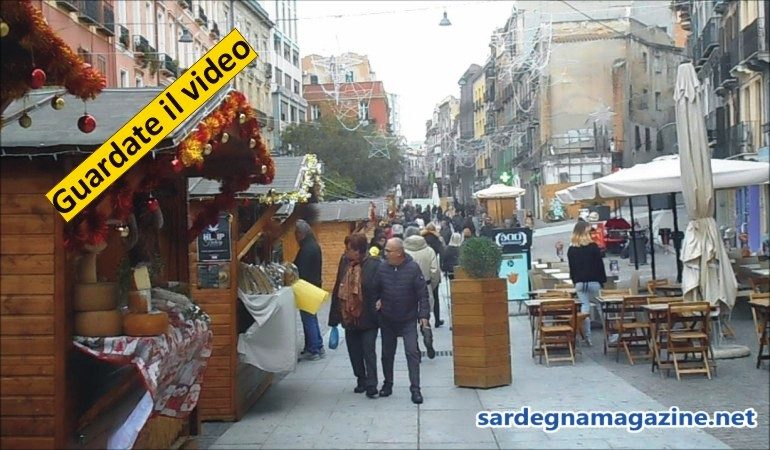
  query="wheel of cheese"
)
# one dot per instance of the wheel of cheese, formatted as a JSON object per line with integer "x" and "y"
{"x": 139, "y": 301}
{"x": 151, "y": 324}
{"x": 95, "y": 297}
{"x": 98, "y": 323}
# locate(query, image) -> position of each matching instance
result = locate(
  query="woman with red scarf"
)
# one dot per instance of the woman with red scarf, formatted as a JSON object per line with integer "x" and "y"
{"x": 353, "y": 301}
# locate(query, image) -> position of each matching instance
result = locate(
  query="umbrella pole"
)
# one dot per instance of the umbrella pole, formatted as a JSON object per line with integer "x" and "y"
{"x": 672, "y": 200}
{"x": 633, "y": 233}
{"x": 652, "y": 241}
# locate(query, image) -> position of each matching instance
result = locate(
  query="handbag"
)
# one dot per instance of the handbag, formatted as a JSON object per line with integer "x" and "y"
{"x": 334, "y": 338}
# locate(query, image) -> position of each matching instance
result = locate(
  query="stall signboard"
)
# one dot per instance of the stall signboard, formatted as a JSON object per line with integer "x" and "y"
{"x": 516, "y": 244}
{"x": 214, "y": 242}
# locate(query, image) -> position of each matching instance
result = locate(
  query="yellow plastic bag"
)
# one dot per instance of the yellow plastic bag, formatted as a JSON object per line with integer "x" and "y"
{"x": 308, "y": 297}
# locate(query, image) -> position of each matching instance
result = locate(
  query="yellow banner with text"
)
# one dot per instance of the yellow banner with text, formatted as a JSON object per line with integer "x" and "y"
{"x": 152, "y": 124}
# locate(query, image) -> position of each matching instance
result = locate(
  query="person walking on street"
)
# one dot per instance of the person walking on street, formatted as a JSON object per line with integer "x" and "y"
{"x": 353, "y": 306}
{"x": 436, "y": 243}
{"x": 586, "y": 269}
{"x": 403, "y": 299}
{"x": 308, "y": 262}
{"x": 451, "y": 256}
{"x": 417, "y": 247}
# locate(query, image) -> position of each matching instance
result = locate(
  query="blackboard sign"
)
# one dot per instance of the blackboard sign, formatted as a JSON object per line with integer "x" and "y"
{"x": 214, "y": 241}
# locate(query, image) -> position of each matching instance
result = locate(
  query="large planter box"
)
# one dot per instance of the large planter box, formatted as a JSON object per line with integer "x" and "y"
{"x": 480, "y": 333}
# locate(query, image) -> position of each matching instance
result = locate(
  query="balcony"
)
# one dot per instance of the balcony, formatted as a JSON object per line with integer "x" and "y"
{"x": 201, "y": 19}
{"x": 107, "y": 26}
{"x": 169, "y": 67}
{"x": 185, "y": 4}
{"x": 214, "y": 31}
{"x": 720, "y": 6}
{"x": 70, "y": 5}
{"x": 740, "y": 138}
{"x": 141, "y": 44}
{"x": 123, "y": 36}
{"x": 709, "y": 38}
{"x": 90, "y": 12}
{"x": 750, "y": 40}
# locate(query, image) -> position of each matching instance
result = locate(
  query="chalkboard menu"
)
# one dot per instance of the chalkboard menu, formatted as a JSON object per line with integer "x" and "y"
{"x": 214, "y": 241}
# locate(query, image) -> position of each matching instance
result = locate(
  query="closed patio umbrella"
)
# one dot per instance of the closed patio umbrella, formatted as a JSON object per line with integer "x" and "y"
{"x": 707, "y": 273}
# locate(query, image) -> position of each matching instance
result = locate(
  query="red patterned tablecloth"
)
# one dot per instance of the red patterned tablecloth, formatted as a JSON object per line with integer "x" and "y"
{"x": 172, "y": 364}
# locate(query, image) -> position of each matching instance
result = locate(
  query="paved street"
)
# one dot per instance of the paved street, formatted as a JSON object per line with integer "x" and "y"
{"x": 315, "y": 407}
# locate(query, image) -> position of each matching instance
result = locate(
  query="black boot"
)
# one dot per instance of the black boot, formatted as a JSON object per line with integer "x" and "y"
{"x": 387, "y": 389}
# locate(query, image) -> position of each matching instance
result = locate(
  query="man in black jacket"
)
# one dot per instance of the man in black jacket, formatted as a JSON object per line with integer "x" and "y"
{"x": 308, "y": 262}
{"x": 403, "y": 300}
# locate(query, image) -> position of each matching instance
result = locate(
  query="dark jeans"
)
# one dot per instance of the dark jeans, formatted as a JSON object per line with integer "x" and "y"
{"x": 313, "y": 341}
{"x": 436, "y": 305}
{"x": 363, "y": 356}
{"x": 390, "y": 333}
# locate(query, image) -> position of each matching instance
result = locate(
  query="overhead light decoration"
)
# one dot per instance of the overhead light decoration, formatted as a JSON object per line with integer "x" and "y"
{"x": 444, "y": 21}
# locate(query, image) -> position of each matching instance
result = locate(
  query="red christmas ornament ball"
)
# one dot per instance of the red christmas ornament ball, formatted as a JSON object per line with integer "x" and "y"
{"x": 176, "y": 165}
{"x": 86, "y": 123}
{"x": 37, "y": 79}
{"x": 152, "y": 205}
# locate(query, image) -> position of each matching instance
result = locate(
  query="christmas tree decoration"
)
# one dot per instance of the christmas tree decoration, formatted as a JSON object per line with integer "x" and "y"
{"x": 242, "y": 118}
{"x": 225, "y": 138}
{"x": 207, "y": 149}
{"x": 152, "y": 204}
{"x": 252, "y": 143}
{"x": 37, "y": 78}
{"x": 25, "y": 121}
{"x": 57, "y": 103}
{"x": 176, "y": 165}
{"x": 263, "y": 169}
{"x": 4, "y": 29}
{"x": 86, "y": 123}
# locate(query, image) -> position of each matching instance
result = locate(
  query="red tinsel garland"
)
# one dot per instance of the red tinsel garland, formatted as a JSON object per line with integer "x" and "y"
{"x": 32, "y": 42}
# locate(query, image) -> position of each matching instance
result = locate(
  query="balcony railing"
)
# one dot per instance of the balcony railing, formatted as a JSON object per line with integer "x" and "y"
{"x": 214, "y": 32}
{"x": 170, "y": 66}
{"x": 740, "y": 138}
{"x": 750, "y": 40}
{"x": 185, "y": 4}
{"x": 202, "y": 19}
{"x": 709, "y": 37}
{"x": 90, "y": 12}
{"x": 68, "y": 5}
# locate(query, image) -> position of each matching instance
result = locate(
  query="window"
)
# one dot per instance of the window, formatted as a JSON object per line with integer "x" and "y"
{"x": 349, "y": 76}
{"x": 139, "y": 81}
{"x": 296, "y": 87}
{"x": 313, "y": 79}
{"x": 363, "y": 110}
{"x": 647, "y": 140}
{"x": 286, "y": 52}
{"x": 284, "y": 110}
{"x": 657, "y": 101}
{"x": 277, "y": 45}
{"x": 294, "y": 114}
{"x": 644, "y": 61}
{"x": 149, "y": 23}
{"x": 643, "y": 102}
{"x": 295, "y": 58}
{"x": 278, "y": 76}
{"x": 161, "y": 32}
{"x": 123, "y": 78}
{"x": 637, "y": 138}
{"x": 656, "y": 62}
{"x": 315, "y": 112}
{"x": 136, "y": 20}
{"x": 287, "y": 82}
{"x": 101, "y": 64}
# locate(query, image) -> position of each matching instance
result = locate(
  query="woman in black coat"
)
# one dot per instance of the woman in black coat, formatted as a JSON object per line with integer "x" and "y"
{"x": 353, "y": 300}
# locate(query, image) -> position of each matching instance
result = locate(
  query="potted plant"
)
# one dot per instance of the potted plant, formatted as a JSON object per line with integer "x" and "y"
{"x": 480, "y": 333}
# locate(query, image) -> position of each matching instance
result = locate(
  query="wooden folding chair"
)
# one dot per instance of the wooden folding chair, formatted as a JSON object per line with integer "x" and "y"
{"x": 760, "y": 284}
{"x": 688, "y": 332}
{"x": 563, "y": 286}
{"x": 553, "y": 294}
{"x": 761, "y": 298}
{"x": 633, "y": 328}
{"x": 652, "y": 284}
{"x": 556, "y": 328}
{"x": 611, "y": 292}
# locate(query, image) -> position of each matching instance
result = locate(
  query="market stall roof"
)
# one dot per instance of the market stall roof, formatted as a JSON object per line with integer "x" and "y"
{"x": 662, "y": 176}
{"x": 348, "y": 210}
{"x": 292, "y": 173}
{"x": 499, "y": 191}
{"x": 54, "y": 131}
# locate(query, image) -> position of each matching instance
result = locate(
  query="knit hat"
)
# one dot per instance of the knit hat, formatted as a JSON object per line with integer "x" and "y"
{"x": 397, "y": 229}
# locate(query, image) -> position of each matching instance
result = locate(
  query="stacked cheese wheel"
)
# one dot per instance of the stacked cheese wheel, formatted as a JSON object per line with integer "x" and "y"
{"x": 96, "y": 313}
{"x": 141, "y": 320}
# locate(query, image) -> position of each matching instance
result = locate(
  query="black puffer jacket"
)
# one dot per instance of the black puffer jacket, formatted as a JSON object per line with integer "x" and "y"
{"x": 368, "y": 275}
{"x": 403, "y": 292}
{"x": 450, "y": 258}
{"x": 308, "y": 260}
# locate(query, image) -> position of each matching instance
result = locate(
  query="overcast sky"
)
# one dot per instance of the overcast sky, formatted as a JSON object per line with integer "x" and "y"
{"x": 413, "y": 56}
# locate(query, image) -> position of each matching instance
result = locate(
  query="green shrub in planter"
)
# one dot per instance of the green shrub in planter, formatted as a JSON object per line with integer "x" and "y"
{"x": 480, "y": 258}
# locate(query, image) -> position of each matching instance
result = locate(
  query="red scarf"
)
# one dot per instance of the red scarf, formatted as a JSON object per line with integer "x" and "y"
{"x": 351, "y": 295}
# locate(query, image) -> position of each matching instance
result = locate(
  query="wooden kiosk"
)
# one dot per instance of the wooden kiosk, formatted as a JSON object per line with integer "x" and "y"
{"x": 499, "y": 200}
{"x": 232, "y": 386}
{"x": 54, "y": 396}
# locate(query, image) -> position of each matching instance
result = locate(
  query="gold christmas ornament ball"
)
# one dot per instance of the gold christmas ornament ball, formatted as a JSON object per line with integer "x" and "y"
{"x": 57, "y": 103}
{"x": 242, "y": 118}
{"x": 207, "y": 149}
{"x": 252, "y": 143}
{"x": 124, "y": 231}
{"x": 4, "y": 29}
{"x": 263, "y": 169}
{"x": 25, "y": 121}
{"x": 225, "y": 138}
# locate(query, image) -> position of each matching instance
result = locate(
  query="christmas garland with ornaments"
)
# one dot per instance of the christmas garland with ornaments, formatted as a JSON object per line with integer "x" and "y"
{"x": 29, "y": 46}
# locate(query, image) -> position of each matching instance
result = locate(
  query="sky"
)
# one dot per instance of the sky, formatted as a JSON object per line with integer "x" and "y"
{"x": 410, "y": 53}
